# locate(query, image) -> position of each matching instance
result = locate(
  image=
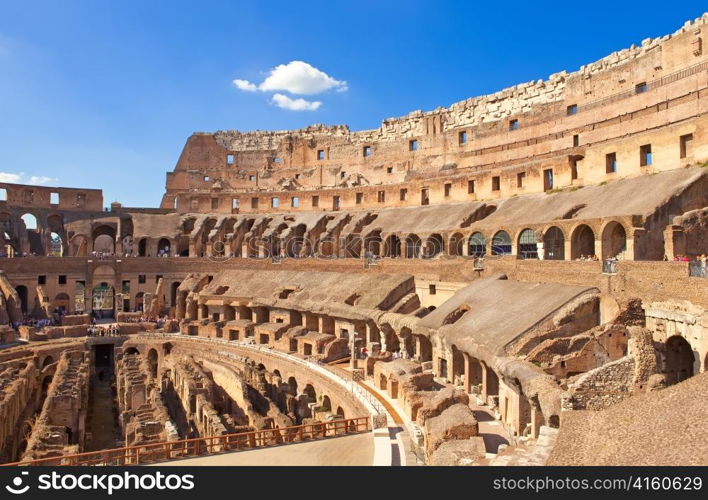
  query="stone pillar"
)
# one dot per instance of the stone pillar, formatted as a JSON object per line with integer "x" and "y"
{"x": 635, "y": 243}
{"x": 540, "y": 250}
{"x": 181, "y": 305}
{"x": 485, "y": 380}
{"x": 674, "y": 241}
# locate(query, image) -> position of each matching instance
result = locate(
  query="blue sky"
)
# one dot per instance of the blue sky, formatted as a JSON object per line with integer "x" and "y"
{"x": 104, "y": 94}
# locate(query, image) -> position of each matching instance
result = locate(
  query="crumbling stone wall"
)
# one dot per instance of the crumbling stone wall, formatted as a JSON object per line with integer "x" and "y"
{"x": 60, "y": 427}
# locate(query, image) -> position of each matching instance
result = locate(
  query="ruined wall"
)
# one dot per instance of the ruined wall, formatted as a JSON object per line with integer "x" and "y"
{"x": 648, "y": 94}
{"x": 60, "y": 427}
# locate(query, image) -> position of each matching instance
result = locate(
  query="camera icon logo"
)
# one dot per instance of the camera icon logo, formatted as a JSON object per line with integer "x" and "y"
{"x": 17, "y": 488}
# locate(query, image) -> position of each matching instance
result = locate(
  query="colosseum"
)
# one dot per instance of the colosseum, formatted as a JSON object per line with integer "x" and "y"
{"x": 516, "y": 279}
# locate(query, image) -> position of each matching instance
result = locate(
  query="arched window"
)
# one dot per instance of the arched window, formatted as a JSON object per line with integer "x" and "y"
{"x": 528, "y": 249}
{"x": 553, "y": 244}
{"x": 477, "y": 245}
{"x": 501, "y": 243}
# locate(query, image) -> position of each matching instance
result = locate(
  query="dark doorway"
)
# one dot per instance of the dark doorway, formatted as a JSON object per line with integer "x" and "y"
{"x": 103, "y": 356}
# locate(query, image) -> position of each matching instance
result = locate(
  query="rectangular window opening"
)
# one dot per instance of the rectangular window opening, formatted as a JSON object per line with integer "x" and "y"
{"x": 448, "y": 189}
{"x": 611, "y": 163}
{"x": 404, "y": 194}
{"x": 496, "y": 183}
{"x": 229, "y": 159}
{"x": 462, "y": 137}
{"x": 572, "y": 109}
{"x": 520, "y": 179}
{"x": 645, "y": 155}
{"x": 315, "y": 201}
{"x": 54, "y": 198}
{"x": 413, "y": 145}
{"x": 548, "y": 179}
{"x": 359, "y": 198}
{"x": 470, "y": 187}
{"x": 382, "y": 196}
{"x": 424, "y": 197}
{"x": 686, "y": 143}
{"x": 514, "y": 124}
{"x": 295, "y": 202}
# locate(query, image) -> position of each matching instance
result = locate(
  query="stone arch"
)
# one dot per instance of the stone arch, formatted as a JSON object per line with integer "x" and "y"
{"x": 56, "y": 245}
{"x": 501, "y": 243}
{"x": 426, "y": 349}
{"x": 164, "y": 247}
{"x": 390, "y": 337}
{"x": 62, "y": 302}
{"x": 310, "y": 392}
{"x": 292, "y": 385}
{"x": 340, "y": 412}
{"x": 477, "y": 245}
{"x": 434, "y": 245}
{"x": 456, "y": 244}
{"x": 582, "y": 242}
{"x": 142, "y": 247}
{"x": 32, "y": 227}
{"x": 47, "y": 361}
{"x": 173, "y": 293}
{"x": 152, "y": 362}
{"x": 392, "y": 246}
{"x": 24, "y": 299}
{"x": 104, "y": 238}
{"x": 78, "y": 245}
{"x": 614, "y": 240}
{"x": 678, "y": 364}
{"x": 554, "y": 244}
{"x": 131, "y": 350}
{"x": 527, "y": 244}
{"x": 372, "y": 242}
{"x": 326, "y": 403}
{"x": 458, "y": 365}
{"x": 413, "y": 246}
{"x": 30, "y": 221}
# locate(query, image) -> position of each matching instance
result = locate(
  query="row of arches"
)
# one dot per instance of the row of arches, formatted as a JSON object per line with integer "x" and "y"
{"x": 550, "y": 245}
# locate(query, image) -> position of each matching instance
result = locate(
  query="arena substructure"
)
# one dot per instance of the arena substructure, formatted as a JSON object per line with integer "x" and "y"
{"x": 519, "y": 278}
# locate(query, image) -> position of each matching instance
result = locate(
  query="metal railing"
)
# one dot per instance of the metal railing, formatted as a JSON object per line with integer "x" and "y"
{"x": 609, "y": 266}
{"x": 194, "y": 447}
{"x": 697, "y": 269}
{"x": 348, "y": 382}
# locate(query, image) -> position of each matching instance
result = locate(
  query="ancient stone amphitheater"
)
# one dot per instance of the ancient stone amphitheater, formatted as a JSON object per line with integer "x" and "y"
{"x": 519, "y": 278}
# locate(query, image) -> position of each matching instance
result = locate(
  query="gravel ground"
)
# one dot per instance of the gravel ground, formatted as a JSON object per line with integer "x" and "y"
{"x": 667, "y": 427}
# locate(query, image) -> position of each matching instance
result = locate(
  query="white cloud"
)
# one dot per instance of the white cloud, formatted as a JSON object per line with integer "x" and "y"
{"x": 11, "y": 178}
{"x": 296, "y": 77}
{"x": 285, "y": 102}
{"x": 39, "y": 180}
{"x": 245, "y": 85}
{"x": 35, "y": 180}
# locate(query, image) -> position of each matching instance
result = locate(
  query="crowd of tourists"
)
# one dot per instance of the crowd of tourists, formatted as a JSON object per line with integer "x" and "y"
{"x": 103, "y": 331}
